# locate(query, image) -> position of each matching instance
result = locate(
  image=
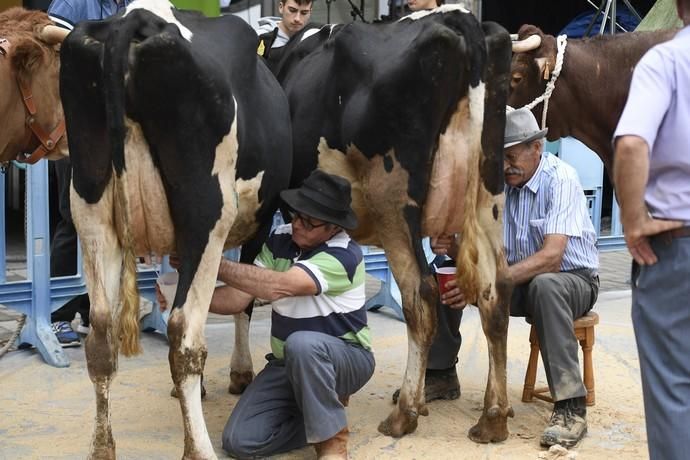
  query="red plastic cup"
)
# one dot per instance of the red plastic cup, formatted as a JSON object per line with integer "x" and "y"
{"x": 443, "y": 275}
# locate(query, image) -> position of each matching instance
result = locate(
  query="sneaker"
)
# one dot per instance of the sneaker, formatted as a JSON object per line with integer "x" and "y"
{"x": 438, "y": 384}
{"x": 65, "y": 334}
{"x": 568, "y": 423}
{"x": 82, "y": 324}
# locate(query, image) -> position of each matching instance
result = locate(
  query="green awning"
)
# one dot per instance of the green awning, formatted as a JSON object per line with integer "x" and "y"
{"x": 210, "y": 8}
{"x": 663, "y": 15}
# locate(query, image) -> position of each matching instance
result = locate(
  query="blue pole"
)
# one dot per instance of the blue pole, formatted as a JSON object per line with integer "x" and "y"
{"x": 3, "y": 242}
{"x": 38, "y": 331}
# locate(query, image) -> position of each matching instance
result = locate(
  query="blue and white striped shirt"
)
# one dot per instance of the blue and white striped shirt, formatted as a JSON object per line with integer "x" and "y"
{"x": 551, "y": 202}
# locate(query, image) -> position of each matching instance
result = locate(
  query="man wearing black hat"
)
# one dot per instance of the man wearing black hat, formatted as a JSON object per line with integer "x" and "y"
{"x": 553, "y": 261}
{"x": 313, "y": 274}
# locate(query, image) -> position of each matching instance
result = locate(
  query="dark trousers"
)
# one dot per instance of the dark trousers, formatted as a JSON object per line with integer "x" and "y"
{"x": 444, "y": 350}
{"x": 295, "y": 401}
{"x": 63, "y": 248}
{"x": 553, "y": 301}
{"x": 661, "y": 319}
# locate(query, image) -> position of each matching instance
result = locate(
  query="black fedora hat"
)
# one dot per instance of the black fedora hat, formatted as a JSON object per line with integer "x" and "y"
{"x": 325, "y": 197}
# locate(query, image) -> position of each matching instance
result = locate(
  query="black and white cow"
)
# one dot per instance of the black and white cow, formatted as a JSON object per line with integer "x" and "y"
{"x": 413, "y": 113}
{"x": 180, "y": 142}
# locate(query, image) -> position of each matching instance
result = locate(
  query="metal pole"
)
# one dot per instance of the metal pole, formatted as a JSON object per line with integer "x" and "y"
{"x": 604, "y": 18}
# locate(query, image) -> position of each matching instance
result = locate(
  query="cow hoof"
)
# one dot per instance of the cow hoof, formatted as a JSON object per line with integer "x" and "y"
{"x": 399, "y": 423}
{"x": 239, "y": 381}
{"x": 487, "y": 429}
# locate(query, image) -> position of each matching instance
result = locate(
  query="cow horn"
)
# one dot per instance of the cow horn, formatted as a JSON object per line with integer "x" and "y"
{"x": 53, "y": 34}
{"x": 528, "y": 44}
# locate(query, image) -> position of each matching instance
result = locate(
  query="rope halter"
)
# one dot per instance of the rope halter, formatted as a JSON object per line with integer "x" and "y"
{"x": 562, "y": 42}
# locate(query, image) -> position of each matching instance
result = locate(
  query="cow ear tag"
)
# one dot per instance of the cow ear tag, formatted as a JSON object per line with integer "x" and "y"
{"x": 543, "y": 67}
{"x": 546, "y": 73}
{"x": 261, "y": 49}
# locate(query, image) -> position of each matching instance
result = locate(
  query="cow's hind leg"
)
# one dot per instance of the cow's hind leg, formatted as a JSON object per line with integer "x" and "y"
{"x": 200, "y": 248}
{"x": 406, "y": 258}
{"x": 241, "y": 366}
{"x": 102, "y": 267}
{"x": 187, "y": 354}
{"x": 494, "y": 304}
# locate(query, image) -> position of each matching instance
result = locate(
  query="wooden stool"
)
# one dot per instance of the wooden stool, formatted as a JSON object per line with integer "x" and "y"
{"x": 584, "y": 331}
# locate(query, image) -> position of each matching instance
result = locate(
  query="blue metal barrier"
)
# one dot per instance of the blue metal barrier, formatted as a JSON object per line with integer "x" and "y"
{"x": 33, "y": 296}
{"x": 39, "y": 295}
{"x": 590, "y": 170}
{"x": 3, "y": 243}
{"x": 376, "y": 264}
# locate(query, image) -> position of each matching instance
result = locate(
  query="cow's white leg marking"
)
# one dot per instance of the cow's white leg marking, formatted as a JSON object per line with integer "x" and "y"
{"x": 188, "y": 351}
{"x": 102, "y": 258}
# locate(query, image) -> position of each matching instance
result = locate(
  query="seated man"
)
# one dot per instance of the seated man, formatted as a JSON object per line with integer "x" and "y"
{"x": 553, "y": 261}
{"x": 313, "y": 274}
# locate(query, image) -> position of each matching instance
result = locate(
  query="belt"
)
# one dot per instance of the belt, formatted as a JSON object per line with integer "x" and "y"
{"x": 668, "y": 235}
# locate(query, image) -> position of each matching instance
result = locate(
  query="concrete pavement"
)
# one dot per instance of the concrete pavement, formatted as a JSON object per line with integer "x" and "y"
{"x": 48, "y": 412}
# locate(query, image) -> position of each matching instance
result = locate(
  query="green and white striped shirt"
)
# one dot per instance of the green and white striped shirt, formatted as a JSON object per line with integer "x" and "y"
{"x": 337, "y": 268}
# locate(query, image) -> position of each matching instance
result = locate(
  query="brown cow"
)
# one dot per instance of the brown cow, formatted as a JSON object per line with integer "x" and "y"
{"x": 591, "y": 89}
{"x": 31, "y": 119}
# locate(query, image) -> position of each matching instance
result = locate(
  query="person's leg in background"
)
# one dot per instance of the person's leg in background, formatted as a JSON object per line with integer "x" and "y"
{"x": 63, "y": 261}
{"x": 441, "y": 377}
{"x": 661, "y": 319}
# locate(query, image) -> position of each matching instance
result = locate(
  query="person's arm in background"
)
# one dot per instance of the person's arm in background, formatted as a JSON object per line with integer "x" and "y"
{"x": 630, "y": 174}
{"x": 648, "y": 101}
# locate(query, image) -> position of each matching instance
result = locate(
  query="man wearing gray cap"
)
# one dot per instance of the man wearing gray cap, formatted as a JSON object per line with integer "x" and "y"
{"x": 553, "y": 261}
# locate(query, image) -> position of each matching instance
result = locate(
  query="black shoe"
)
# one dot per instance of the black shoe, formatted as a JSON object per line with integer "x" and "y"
{"x": 438, "y": 384}
{"x": 568, "y": 423}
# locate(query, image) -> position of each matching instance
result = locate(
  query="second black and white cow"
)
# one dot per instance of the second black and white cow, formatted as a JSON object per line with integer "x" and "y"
{"x": 412, "y": 113}
{"x": 180, "y": 142}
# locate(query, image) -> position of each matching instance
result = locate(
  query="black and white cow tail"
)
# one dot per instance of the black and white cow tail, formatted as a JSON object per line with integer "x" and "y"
{"x": 115, "y": 64}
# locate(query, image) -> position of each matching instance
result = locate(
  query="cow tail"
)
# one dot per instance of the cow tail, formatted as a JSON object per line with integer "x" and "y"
{"x": 468, "y": 257}
{"x": 115, "y": 63}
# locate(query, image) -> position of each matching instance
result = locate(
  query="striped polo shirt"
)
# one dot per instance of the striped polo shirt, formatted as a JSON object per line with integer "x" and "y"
{"x": 337, "y": 268}
{"x": 551, "y": 202}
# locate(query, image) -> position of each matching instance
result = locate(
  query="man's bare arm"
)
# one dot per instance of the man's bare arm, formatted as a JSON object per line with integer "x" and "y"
{"x": 267, "y": 284}
{"x": 547, "y": 260}
{"x": 630, "y": 175}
